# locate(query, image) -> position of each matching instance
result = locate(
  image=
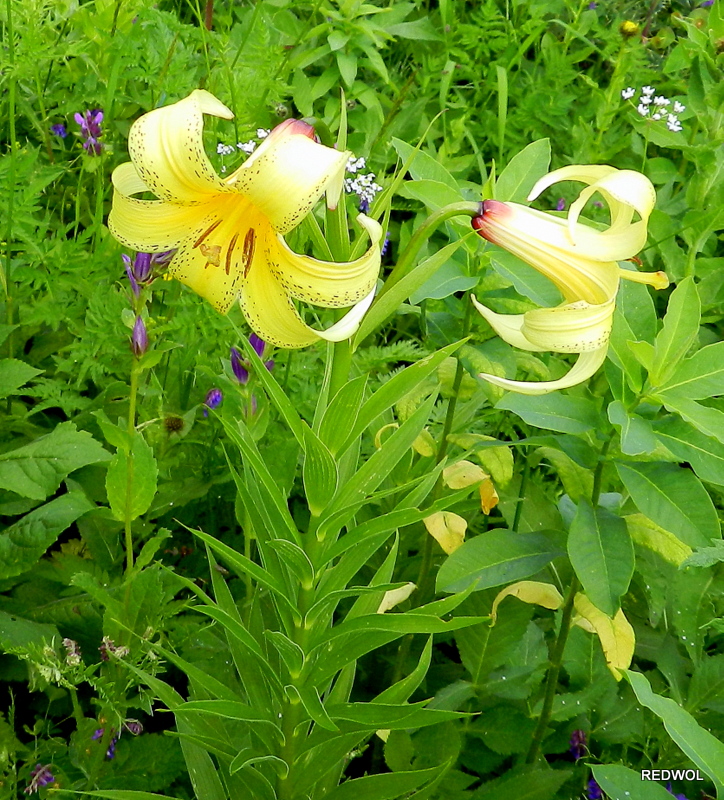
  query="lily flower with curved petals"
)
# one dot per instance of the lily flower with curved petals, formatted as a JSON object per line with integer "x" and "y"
{"x": 580, "y": 260}
{"x": 228, "y": 232}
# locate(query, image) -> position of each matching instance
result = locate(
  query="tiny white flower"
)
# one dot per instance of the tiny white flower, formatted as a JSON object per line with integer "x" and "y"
{"x": 643, "y": 110}
{"x": 674, "y": 126}
{"x": 247, "y": 147}
{"x": 656, "y": 116}
{"x": 660, "y": 100}
{"x": 678, "y": 107}
{"x": 646, "y": 101}
{"x": 648, "y": 89}
{"x": 628, "y": 93}
{"x": 262, "y": 133}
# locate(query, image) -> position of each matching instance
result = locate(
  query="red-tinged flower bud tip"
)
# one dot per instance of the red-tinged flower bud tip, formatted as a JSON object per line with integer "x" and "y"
{"x": 139, "y": 338}
{"x": 293, "y": 127}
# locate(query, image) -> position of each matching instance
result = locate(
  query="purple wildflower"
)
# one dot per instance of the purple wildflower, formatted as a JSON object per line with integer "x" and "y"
{"x": 578, "y": 744}
{"x": 385, "y": 244}
{"x": 133, "y": 726}
{"x": 140, "y": 270}
{"x": 139, "y": 338}
{"x": 59, "y": 130}
{"x": 40, "y": 776}
{"x": 593, "y": 790}
{"x": 238, "y": 368}
{"x": 561, "y": 205}
{"x": 707, "y": 4}
{"x": 107, "y": 646}
{"x": 213, "y": 400}
{"x": 677, "y": 796}
{"x": 111, "y": 751}
{"x": 258, "y": 344}
{"x": 592, "y": 5}
{"x": 90, "y": 128}
{"x": 364, "y": 205}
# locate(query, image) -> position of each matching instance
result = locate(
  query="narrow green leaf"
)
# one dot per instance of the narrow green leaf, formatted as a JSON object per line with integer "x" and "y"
{"x": 495, "y": 558}
{"x": 706, "y": 751}
{"x": 341, "y": 414}
{"x": 296, "y": 559}
{"x": 679, "y": 331}
{"x": 602, "y": 555}
{"x": 119, "y": 794}
{"x": 291, "y": 653}
{"x": 422, "y": 165}
{"x": 309, "y": 698}
{"x": 319, "y": 473}
{"x": 25, "y": 541}
{"x": 673, "y": 498}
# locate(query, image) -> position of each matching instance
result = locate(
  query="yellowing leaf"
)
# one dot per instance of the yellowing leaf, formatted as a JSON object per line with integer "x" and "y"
{"x": 650, "y": 535}
{"x": 395, "y": 596}
{"x": 447, "y": 529}
{"x": 534, "y": 592}
{"x": 425, "y": 444}
{"x": 488, "y": 496}
{"x": 616, "y": 635}
{"x": 463, "y": 474}
{"x": 498, "y": 461}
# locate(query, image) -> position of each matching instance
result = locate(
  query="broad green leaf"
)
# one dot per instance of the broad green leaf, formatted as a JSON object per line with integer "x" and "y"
{"x": 679, "y": 332}
{"x": 37, "y": 469}
{"x": 495, "y": 558}
{"x": 621, "y": 782}
{"x": 555, "y": 412}
{"x": 522, "y": 172}
{"x": 710, "y": 421}
{"x": 25, "y": 541}
{"x": 526, "y": 280}
{"x": 433, "y": 194}
{"x": 673, "y": 498}
{"x": 704, "y": 453}
{"x": 637, "y": 435}
{"x": 131, "y": 494}
{"x": 698, "y": 377}
{"x": 648, "y": 534}
{"x": 706, "y": 751}
{"x": 423, "y": 166}
{"x": 19, "y": 633}
{"x": 602, "y": 555}
{"x": 387, "y": 786}
{"x": 14, "y": 374}
{"x": 524, "y": 783}
{"x": 450, "y": 278}
{"x": 389, "y": 301}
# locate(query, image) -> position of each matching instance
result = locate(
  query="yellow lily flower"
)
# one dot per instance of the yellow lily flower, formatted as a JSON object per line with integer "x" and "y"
{"x": 579, "y": 260}
{"x": 227, "y": 232}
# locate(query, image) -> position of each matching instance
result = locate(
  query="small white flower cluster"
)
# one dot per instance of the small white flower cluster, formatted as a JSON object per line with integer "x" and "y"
{"x": 363, "y": 185}
{"x": 656, "y": 107}
{"x": 245, "y": 147}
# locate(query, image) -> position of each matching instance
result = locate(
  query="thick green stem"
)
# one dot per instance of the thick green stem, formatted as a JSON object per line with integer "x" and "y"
{"x": 423, "y": 233}
{"x": 553, "y": 672}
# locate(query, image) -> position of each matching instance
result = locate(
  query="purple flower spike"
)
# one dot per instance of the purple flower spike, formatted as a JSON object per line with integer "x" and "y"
{"x": 258, "y": 344}
{"x": 213, "y": 400}
{"x": 578, "y": 744}
{"x": 677, "y": 796}
{"x": 707, "y": 4}
{"x": 593, "y": 790}
{"x": 139, "y": 338}
{"x": 40, "y": 776}
{"x": 90, "y": 128}
{"x": 385, "y": 244}
{"x": 131, "y": 277}
{"x": 238, "y": 368}
{"x": 59, "y": 130}
{"x": 561, "y": 205}
{"x": 364, "y": 205}
{"x": 142, "y": 266}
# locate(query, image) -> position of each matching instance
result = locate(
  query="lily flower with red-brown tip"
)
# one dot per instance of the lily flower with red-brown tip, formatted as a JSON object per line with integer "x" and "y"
{"x": 580, "y": 260}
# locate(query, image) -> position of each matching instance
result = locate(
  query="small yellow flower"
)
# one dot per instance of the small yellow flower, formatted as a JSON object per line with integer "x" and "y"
{"x": 227, "y": 232}
{"x": 628, "y": 29}
{"x": 580, "y": 260}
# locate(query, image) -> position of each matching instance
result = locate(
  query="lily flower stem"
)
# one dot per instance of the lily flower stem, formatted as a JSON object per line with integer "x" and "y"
{"x": 423, "y": 233}
{"x": 338, "y": 238}
{"x": 553, "y": 672}
{"x": 132, "y": 398}
{"x": 12, "y": 78}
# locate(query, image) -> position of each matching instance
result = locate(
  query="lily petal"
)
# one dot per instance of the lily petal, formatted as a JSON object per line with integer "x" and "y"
{"x": 166, "y": 145}
{"x": 325, "y": 283}
{"x": 509, "y": 327}
{"x": 587, "y": 364}
{"x": 286, "y": 175}
{"x": 149, "y": 226}
{"x": 573, "y": 328}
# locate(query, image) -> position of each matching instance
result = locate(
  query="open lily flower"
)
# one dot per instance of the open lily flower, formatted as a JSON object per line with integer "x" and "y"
{"x": 227, "y": 232}
{"x": 580, "y": 260}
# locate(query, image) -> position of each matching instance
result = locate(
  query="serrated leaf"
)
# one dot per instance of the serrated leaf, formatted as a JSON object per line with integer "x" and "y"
{"x": 14, "y": 374}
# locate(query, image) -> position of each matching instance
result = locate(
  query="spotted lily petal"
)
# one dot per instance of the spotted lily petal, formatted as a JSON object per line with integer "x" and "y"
{"x": 167, "y": 148}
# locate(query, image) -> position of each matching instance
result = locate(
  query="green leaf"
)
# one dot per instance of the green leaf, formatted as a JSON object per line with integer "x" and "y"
{"x": 291, "y": 653}
{"x": 37, "y": 469}
{"x": 341, "y": 414}
{"x": 24, "y": 542}
{"x": 296, "y": 559}
{"x": 433, "y": 194}
{"x": 14, "y": 374}
{"x": 710, "y": 421}
{"x": 673, "y": 498}
{"x": 698, "y": 377}
{"x": 637, "y": 435}
{"x": 526, "y": 280}
{"x": 423, "y": 166}
{"x": 495, "y": 558}
{"x": 679, "y": 331}
{"x": 619, "y": 781}
{"x": 135, "y": 497}
{"x": 602, "y": 555}
{"x": 389, "y": 301}
{"x": 420, "y": 30}
{"x": 120, "y": 794}
{"x": 19, "y": 633}
{"x": 450, "y": 278}
{"x": 319, "y": 473}
{"x": 395, "y": 717}
{"x": 310, "y": 699}
{"x": 555, "y": 412}
{"x": 523, "y": 171}
{"x": 524, "y": 783}
{"x": 704, "y": 453}
{"x": 383, "y": 787}
{"x": 706, "y": 751}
